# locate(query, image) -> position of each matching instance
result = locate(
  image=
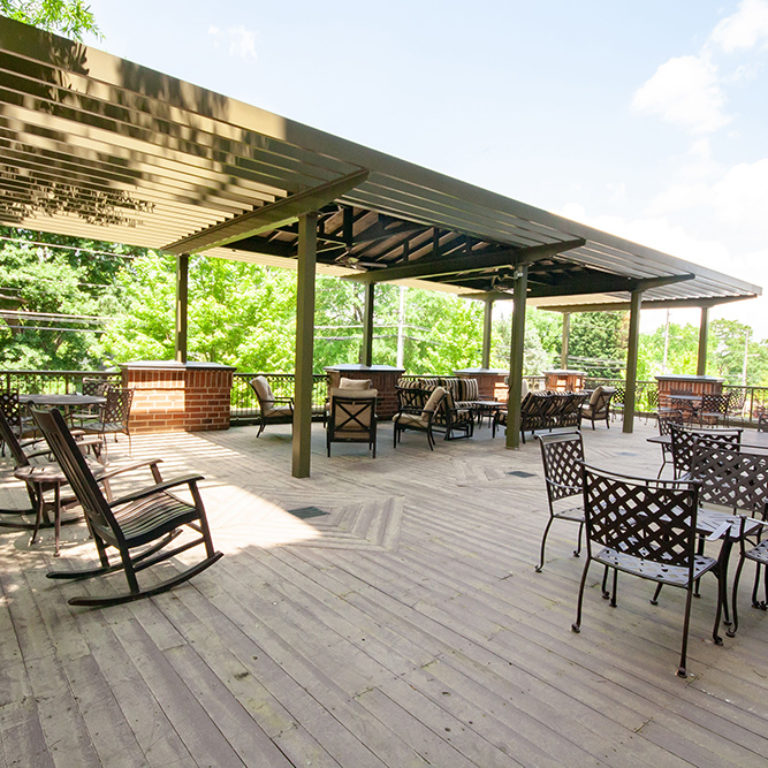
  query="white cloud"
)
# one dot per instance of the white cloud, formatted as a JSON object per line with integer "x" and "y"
{"x": 239, "y": 42}
{"x": 743, "y": 29}
{"x": 740, "y": 197}
{"x": 684, "y": 91}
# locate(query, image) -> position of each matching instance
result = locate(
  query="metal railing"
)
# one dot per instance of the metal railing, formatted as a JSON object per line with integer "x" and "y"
{"x": 244, "y": 407}
{"x": 53, "y": 382}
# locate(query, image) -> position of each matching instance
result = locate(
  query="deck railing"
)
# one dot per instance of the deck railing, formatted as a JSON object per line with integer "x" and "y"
{"x": 747, "y": 402}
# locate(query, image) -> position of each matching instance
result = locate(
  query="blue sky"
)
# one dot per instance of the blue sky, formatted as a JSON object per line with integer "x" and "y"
{"x": 648, "y": 120}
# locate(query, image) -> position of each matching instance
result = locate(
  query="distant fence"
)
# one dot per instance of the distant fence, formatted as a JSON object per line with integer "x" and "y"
{"x": 53, "y": 382}
{"x": 244, "y": 408}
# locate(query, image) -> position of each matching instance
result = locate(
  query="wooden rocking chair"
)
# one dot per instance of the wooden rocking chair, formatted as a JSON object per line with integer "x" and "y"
{"x": 147, "y": 519}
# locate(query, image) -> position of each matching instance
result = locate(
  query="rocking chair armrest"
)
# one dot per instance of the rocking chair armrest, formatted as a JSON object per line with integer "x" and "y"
{"x": 149, "y": 490}
{"x": 113, "y": 471}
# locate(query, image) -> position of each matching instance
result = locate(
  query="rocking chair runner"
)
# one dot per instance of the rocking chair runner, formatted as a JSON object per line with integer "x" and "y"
{"x": 149, "y": 519}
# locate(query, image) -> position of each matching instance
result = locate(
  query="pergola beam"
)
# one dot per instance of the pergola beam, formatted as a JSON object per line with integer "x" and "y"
{"x": 507, "y": 257}
{"x": 268, "y": 217}
{"x": 600, "y": 282}
{"x": 623, "y": 306}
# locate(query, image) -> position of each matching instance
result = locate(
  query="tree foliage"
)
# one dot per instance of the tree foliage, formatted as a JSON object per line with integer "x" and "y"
{"x": 71, "y": 18}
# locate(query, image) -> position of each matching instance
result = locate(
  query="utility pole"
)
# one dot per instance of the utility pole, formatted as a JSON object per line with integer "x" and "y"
{"x": 666, "y": 345}
{"x": 400, "y": 329}
{"x": 746, "y": 355}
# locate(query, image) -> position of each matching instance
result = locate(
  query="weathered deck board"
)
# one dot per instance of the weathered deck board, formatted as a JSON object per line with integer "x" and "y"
{"x": 404, "y": 627}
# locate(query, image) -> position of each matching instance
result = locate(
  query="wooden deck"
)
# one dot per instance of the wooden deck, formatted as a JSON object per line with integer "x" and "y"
{"x": 404, "y": 627}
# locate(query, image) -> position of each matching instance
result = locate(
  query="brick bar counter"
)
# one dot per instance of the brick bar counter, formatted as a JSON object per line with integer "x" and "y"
{"x": 383, "y": 378}
{"x": 178, "y": 397}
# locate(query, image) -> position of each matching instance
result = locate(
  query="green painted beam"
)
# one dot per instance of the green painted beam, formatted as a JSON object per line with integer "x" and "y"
{"x": 517, "y": 347}
{"x": 487, "y": 333}
{"x": 566, "y": 339}
{"x": 182, "y": 307}
{"x": 701, "y": 360}
{"x": 268, "y": 217}
{"x": 305, "y": 326}
{"x": 633, "y": 346}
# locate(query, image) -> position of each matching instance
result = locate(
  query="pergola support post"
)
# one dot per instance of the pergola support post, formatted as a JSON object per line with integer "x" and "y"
{"x": 701, "y": 360}
{"x": 487, "y": 331}
{"x": 305, "y": 326}
{"x": 630, "y": 388}
{"x": 368, "y": 325}
{"x": 566, "y": 340}
{"x": 182, "y": 306}
{"x": 517, "y": 347}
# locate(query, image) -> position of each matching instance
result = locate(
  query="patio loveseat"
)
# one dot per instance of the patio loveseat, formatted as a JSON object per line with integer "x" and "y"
{"x": 545, "y": 410}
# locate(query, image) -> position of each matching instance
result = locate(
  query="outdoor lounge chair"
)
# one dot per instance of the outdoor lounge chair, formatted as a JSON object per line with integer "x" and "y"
{"x": 113, "y": 416}
{"x": 271, "y": 408}
{"x": 352, "y": 417}
{"x": 421, "y": 421}
{"x": 599, "y": 406}
{"x": 646, "y": 528}
{"x": 562, "y": 456}
{"x": 147, "y": 520}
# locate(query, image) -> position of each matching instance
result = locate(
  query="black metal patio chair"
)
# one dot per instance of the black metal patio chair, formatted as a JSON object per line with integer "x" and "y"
{"x": 139, "y": 525}
{"x": 646, "y": 528}
{"x": 562, "y": 456}
{"x": 685, "y": 439}
{"x": 113, "y": 417}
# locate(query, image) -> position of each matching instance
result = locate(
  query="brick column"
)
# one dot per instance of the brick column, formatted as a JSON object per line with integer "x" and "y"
{"x": 383, "y": 379}
{"x": 178, "y": 397}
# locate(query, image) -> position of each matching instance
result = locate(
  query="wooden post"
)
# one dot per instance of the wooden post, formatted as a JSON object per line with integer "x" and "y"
{"x": 517, "y": 347}
{"x": 368, "y": 326}
{"x": 632, "y": 350}
{"x": 566, "y": 340}
{"x": 487, "y": 331}
{"x": 182, "y": 304}
{"x": 701, "y": 361}
{"x": 305, "y": 327}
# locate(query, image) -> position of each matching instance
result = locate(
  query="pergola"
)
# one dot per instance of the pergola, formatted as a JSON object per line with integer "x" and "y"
{"x": 96, "y": 146}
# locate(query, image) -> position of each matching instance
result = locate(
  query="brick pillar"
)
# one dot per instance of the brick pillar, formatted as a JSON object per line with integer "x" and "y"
{"x": 178, "y": 397}
{"x": 383, "y": 379}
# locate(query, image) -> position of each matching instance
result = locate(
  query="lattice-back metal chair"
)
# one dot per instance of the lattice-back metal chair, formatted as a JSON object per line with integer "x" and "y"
{"x": 684, "y": 439}
{"x": 664, "y": 419}
{"x": 92, "y": 388}
{"x": 562, "y": 456}
{"x": 352, "y": 418}
{"x": 139, "y": 525}
{"x": 737, "y": 479}
{"x": 646, "y": 528}
{"x": 714, "y": 409}
{"x": 113, "y": 417}
{"x": 14, "y": 412}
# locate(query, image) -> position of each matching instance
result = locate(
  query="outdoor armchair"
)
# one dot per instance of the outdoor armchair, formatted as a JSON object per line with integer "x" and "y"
{"x": 140, "y": 525}
{"x": 599, "y": 406}
{"x": 352, "y": 417}
{"x": 271, "y": 408}
{"x": 421, "y": 421}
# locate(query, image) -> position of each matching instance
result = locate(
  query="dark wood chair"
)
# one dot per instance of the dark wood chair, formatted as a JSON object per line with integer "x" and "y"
{"x": 113, "y": 417}
{"x": 271, "y": 408}
{"x": 646, "y": 528}
{"x": 562, "y": 456}
{"x": 352, "y": 418}
{"x": 139, "y": 525}
{"x": 421, "y": 421}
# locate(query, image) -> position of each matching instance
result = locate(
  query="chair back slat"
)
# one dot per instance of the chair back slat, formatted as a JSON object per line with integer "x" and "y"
{"x": 650, "y": 519}
{"x": 79, "y": 476}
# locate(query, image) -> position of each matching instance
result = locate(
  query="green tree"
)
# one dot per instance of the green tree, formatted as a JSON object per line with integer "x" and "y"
{"x": 69, "y": 17}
